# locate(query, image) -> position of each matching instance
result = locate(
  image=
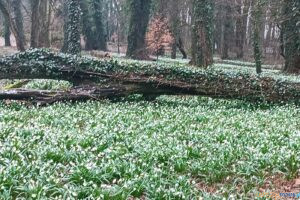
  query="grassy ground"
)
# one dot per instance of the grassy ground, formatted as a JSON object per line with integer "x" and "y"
{"x": 173, "y": 148}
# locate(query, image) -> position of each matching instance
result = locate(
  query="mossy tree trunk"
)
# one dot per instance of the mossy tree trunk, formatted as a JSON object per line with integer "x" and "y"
{"x": 95, "y": 79}
{"x": 72, "y": 28}
{"x": 256, "y": 26}
{"x": 202, "y": 33}
{"x": 290, "y": 28}
{"x": 138, "y": 23}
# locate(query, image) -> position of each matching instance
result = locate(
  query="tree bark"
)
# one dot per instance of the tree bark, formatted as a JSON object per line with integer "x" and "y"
{"x": 138, "y": 23}
{"x": 72, "y": 40}
{"x": 65, "y": 26}
{"x": 242, "y": 8}
{"x": 15, "y": 21}
{"x": 35, "y": 4}
{"x": 98, "y": 20}
{"x": 290, "y": 35}
{"x": 175, "y": 25}
{"x": 18, "y": 17}
{"x": 256, "y": 25}
{"x": 44, "y": 24}
{"x": 181, "y": 48}
{"x": 202, "y": 33}
{"x": 6, "y": 32}
{"x": 42, "y": 97}
{"x": 228, "y": 29}
{"x": 94, "y": 77}
{"x": 87, "y": 27}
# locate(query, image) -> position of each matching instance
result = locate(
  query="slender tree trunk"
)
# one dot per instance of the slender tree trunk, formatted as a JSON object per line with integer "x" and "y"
{"x": 18, "y": 18}
{"x": 6, "y": 32}
{"x": 202, "y": 33}
{"x": 174, "y": 51}
{"x": 65, "y": 27}
{"x": 35, "y": 4}
{"x": 175, "y": 26}
{"x": 256, "y": 24}
{"x": 181, "y": 48}
{"x": 138, "y": 23}
{"x": 241, "y": 27}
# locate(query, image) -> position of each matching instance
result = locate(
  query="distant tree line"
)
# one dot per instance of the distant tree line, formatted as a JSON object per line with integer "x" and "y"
{"x": 199, "y": 28}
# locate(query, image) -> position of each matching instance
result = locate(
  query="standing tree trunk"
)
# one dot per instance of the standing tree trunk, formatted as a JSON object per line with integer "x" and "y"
{"x": 290, "y": 31}
{"x": 44, "y": 24}
{"x": 138, "y": 23}
{"x": 15, "y": 19}
{"x": 181, "y": 48}
{"x": 65, "y": 27}
{"x": 6, "y": 32}
{"x": 256, "y": 25}
{"x": 87, "y": 27}
{"x": 175, "y": 26}
{"x": 242, "y": 8}
{"x": 202, "y": 33}
{"x": 72, "y": 34}
{"x": 228, "y": 30}
{"x": 35, "y": 4}
{"x": 98, "y": 20}
{"x": 20, "y": 39}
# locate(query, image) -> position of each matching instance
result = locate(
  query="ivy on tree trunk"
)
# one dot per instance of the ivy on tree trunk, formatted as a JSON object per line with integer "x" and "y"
{"x": 72, "y": 35}
{"x": 202, "y": 32}
{"x": 256, "y": 25}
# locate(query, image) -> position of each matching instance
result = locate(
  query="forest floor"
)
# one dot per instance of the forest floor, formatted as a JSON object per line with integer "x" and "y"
{"x": 177, "y": 147}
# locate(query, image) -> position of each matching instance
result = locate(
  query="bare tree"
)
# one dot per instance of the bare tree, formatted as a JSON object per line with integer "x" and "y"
{"x": 12, "y": 11}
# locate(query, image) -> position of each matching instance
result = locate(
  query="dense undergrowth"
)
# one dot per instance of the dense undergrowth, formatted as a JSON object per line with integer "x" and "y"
{"x": 160, "y": 150}
{"x": 173, "y": 148}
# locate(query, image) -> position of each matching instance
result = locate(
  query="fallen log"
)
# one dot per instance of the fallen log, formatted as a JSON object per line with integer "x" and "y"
{"x": 48, "y": 97}
{"x": 144, "y": 77}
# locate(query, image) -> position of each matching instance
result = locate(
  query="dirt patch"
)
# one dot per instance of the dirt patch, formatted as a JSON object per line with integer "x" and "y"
{"x": 278, "y": 184}
{"x": 210, "y": 189}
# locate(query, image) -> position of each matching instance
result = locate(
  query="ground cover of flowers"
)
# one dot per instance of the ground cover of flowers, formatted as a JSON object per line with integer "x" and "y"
{"x": 174, "y": 148}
